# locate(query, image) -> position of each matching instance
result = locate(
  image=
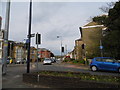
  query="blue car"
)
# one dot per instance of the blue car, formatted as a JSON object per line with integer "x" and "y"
{"x": 105, "y": 63}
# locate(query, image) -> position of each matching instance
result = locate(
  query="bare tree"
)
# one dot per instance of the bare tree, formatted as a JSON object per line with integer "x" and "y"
{"x": 106, "y": 8}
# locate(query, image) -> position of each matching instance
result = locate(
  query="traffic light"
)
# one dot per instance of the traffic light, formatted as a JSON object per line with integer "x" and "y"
{"x": 38, "y": 38}
{"x": 62, "y": 49}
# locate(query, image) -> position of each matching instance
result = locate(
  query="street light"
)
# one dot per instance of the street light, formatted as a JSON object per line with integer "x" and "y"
{"x": 29, "y": 37}
{"x": 61, "y": 45}
{"x": 6, "y": 33}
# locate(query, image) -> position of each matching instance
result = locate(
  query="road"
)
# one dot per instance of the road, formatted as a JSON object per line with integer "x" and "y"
{"x": 13, "y": 78}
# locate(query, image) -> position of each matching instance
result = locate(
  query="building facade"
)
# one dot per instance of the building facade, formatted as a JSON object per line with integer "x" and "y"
{"x": 91, "y": 37}
{"x": 18, "y": 52}
{"x": 44, "y": 53}
{"x": 78, "y": 49}
{"x": 33, "y": 54}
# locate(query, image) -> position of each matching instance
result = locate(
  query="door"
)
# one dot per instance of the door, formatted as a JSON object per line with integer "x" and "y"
{"x": 110, "y": 64}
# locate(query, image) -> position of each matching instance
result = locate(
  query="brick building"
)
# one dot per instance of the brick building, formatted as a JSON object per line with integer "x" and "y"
{"x": 44, "y": 53}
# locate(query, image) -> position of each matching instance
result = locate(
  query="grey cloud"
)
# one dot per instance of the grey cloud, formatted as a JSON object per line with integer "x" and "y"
{"x": 44, "y": 11}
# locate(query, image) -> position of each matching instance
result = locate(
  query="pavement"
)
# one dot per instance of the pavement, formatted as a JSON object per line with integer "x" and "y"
{"x": 14, "y": 79}
{"x": 80, "y": 66}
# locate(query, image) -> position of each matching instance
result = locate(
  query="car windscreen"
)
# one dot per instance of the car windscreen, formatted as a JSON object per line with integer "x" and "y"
{"x": 47, "y": 60}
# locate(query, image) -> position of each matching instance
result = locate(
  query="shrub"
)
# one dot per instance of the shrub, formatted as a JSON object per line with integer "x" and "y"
{"x": 82, "y": 61}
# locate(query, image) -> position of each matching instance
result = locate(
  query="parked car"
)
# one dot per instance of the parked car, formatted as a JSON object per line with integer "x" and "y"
{"x": 18, "y": 61}
{"x": 47, "y": 61}
{"x": 23, "y": 61}
{"x": 53, "y": 60}
{"x": 105, "y": 63}
{"x": 8, "y": 61}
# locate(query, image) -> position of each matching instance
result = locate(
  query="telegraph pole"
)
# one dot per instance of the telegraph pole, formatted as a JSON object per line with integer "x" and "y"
{"x": 6, "y": 31}
{"x": 29, "y": 37}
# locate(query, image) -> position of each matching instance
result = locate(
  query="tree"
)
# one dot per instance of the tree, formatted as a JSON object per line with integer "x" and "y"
{"x": 106, "y": 8}
{"x": 100, "y": 19}
{"x": 111, "y": 40}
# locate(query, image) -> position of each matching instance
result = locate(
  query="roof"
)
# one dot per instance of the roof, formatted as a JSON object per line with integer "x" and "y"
{"x": 43, "y": 49}
{"x": 92, "y": 25}
{"x": 78, "y": 40}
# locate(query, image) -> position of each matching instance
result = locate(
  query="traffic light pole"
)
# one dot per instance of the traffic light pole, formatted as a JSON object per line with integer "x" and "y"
{"x": 38, "y": 41}
{"x": 29, "y": 37}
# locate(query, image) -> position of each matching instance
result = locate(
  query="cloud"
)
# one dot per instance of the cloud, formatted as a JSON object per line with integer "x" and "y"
{"x": 51, "y": 19}
{"x": 64, "y": 19}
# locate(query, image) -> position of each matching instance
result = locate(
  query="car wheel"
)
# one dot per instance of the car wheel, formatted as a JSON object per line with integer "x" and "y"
{"x": 94, "y": 68}
{"x": 118, "y": 70}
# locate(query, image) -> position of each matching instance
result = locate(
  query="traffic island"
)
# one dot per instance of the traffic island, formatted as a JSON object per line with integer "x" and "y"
{"x": 57, "y": 79}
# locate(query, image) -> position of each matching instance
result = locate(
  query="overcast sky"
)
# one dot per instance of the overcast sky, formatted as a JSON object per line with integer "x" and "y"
{"x": 51, "y": 19}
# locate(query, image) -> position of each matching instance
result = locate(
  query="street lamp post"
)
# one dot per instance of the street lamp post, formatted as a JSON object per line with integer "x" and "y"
{"x": 29, "y": 37}
{"x": 6, "y": 32}
{"x": 61, "y": 45}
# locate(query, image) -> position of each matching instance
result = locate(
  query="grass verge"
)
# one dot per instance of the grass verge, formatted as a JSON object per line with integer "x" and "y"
{"x": 83, "y": 76}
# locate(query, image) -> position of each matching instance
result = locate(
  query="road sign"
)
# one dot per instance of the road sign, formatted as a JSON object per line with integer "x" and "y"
{"x": 27, "y": 41}
{"x": 32, "y": 35}
{"x": 101, "y": 47}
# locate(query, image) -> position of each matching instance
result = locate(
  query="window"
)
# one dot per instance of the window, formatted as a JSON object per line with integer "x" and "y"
{"x": 109, "y": 60}
{"x": 99, "y": 59}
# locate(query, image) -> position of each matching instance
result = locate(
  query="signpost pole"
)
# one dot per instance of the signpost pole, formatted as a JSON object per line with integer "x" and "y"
{"x": 101, "y": 48}
{"x": 29, "y": 37}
